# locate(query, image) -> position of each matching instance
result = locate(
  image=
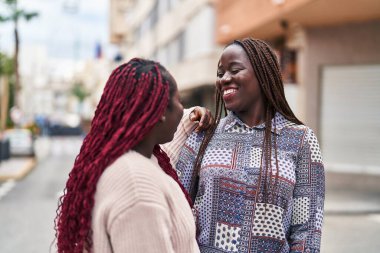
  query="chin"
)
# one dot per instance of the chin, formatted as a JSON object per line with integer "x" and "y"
{"x": 231, "y": 108}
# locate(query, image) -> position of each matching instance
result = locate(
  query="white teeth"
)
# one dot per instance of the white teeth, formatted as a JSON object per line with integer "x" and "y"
{"x": 229, "y": 91}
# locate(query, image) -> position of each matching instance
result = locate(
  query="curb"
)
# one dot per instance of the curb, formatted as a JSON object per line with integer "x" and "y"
{"x": 18, "y": 173}
{"x": 350, "y": 212}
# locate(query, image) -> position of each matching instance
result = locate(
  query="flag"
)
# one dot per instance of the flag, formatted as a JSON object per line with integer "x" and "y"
{"x": 98, "y": 50}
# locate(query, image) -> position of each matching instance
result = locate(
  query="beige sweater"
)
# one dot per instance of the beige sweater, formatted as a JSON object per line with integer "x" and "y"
{"x": 185, "y": 128}
{"x": 138, "y": 208}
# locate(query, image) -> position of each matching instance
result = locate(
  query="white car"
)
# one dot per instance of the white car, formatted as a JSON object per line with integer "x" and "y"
{"x": 21, "y": 142}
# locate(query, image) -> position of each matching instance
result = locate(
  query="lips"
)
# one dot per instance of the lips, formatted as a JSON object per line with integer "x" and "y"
{"x": 229, "y": 93}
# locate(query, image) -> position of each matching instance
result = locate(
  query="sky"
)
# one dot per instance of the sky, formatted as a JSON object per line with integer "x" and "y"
{"x": 66, "y": 29}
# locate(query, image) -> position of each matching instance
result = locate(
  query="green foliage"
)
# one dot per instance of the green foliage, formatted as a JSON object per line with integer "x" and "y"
{"x": 11, "y": 103}
{"x": 79, "y": 91}
{"x": 7, "y": 69}
{"x": 14, "y": 14}
{"x": 6, "y": 65}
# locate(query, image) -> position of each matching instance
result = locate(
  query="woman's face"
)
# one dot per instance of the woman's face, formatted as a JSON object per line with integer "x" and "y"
{"x": 237, "y": 82}
{"x": 172, "y": 116}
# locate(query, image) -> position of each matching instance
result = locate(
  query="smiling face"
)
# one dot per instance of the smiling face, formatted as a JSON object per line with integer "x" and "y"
{"x": 237, "y": 82}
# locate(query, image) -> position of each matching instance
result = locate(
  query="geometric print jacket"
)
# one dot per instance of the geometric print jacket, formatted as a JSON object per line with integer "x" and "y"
{"x": 230, "y": 211}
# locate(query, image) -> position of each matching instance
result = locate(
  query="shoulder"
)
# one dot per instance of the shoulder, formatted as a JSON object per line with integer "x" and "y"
{"x": 293, "y": 132}
{"x": 308, "y": 142}
{"x": 130, "y": 179}
{"x": 287, "y": 127}
{"x": 194, "y": 141}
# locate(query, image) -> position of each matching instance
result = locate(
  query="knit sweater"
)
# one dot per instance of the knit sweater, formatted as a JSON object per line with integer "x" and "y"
{"x": 184, "y": 129}
{"x": 138, "y": 208}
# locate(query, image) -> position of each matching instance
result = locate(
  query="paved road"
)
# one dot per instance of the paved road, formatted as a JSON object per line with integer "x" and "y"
{"x": 351, "y": 234}
{"x": 27, "y": 208}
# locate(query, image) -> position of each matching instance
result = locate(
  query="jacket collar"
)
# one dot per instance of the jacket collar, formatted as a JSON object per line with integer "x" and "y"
{"x": 278, "y": 123}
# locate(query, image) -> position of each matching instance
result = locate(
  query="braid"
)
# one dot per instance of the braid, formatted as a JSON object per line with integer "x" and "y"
{"x": 207, "y": 137}
{"x": 267, "y": 71}
{"x": 134, "y": 99}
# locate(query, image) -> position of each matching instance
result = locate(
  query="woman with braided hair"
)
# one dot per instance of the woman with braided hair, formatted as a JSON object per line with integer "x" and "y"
{"x": 120, "y": 198}
{"x": 256, "y": 175}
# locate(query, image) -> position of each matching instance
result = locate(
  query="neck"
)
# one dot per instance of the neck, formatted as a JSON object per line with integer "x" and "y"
{"x": 145, "y": 148}
{"x": 253, "y": 117}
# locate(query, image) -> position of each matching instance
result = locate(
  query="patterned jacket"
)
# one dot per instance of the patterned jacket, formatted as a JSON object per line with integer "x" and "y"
{"x": 232, "y": 214}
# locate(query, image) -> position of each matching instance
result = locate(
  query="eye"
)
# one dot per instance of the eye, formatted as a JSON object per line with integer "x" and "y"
{"x": 235, "y": 71}
{"x": 219, "y": 74}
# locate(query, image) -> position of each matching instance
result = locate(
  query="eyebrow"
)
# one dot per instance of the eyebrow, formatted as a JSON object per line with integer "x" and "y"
{"x": 231, "y": 63}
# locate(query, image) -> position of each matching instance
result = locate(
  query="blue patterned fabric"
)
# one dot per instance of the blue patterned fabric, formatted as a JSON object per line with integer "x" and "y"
{"x": 231, "y": 212}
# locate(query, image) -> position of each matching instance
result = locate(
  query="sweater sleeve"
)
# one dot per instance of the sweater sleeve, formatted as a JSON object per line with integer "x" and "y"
{"x": 309, "y": 193}
{"x": 185, "y": 128}
{"x": 144, "y": 227}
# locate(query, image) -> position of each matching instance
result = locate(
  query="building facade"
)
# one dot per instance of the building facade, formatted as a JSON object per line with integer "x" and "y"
{"x": 178, "y": 33}
{"x": 330, "y": 51}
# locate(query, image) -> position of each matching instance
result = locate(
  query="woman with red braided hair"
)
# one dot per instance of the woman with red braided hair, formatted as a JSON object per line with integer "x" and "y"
{"x": 257, "y": 174}
{"x": 120, "y": 198}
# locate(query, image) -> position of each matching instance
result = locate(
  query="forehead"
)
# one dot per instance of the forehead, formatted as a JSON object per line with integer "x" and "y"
{"x": 233, "y": 54}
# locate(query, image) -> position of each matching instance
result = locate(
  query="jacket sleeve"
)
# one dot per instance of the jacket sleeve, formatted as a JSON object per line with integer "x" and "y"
{"x": 308, "y": 197}
{"x": 185, "y": 128}
{"x": 187, "y": 159}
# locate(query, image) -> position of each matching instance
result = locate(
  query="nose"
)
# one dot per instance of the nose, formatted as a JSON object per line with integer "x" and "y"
{"x": 226, "y": 78}
{"x": 223, "y": 80}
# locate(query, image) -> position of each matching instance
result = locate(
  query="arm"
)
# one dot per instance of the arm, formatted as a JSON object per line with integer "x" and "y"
{"x": 309, "y": 193}
{"x": 145, "y": 227}
{"x": 193, "y": 119}
{"x": 185, "y": 128}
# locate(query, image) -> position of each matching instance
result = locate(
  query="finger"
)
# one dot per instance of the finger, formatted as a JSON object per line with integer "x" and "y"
{"x": 204, "y": 118}
{"x": 193, "y": 116}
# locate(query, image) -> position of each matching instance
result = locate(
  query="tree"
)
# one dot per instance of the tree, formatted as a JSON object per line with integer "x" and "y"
{"x": 79, "y": 91}
{"x": 7, "y": 84}
{"x": 14, "y": 14}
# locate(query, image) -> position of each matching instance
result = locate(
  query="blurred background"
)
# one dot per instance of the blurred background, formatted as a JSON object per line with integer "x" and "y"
{"x": 56, "y": 55}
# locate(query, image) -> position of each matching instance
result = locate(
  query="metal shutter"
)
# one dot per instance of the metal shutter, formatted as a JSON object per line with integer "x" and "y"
{"x": 350, "y": 118}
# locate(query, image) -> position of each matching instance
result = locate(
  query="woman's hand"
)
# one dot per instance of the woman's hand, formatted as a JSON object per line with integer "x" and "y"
{"x": 203, "y": 116}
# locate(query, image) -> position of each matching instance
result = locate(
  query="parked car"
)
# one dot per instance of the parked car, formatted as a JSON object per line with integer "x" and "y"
{"x": 21, "y": 142}
{"x": 4, "y": 149}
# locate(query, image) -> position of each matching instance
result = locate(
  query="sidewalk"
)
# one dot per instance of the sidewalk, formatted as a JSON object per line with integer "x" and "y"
{"x": 16, "y": 168}
{"x": 350, "y": 193}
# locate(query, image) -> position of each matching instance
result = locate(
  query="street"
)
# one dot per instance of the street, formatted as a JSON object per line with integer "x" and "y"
{"x": 351, "y": 233}
{"x": 28, "y": 206}
{"x": 28, "y": 209}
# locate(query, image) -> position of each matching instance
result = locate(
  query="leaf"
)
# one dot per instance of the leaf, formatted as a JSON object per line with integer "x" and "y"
{"x": 4, "y": 19}
{"x": 28, "y": 16}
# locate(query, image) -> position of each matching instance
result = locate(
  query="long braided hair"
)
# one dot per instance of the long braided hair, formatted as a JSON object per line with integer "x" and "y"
{"x": 135, "y": 97}
{"x": 266, "y": 67}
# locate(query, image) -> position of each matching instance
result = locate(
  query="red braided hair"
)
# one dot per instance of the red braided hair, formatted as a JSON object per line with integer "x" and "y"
{"x": 135, "y": 97}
